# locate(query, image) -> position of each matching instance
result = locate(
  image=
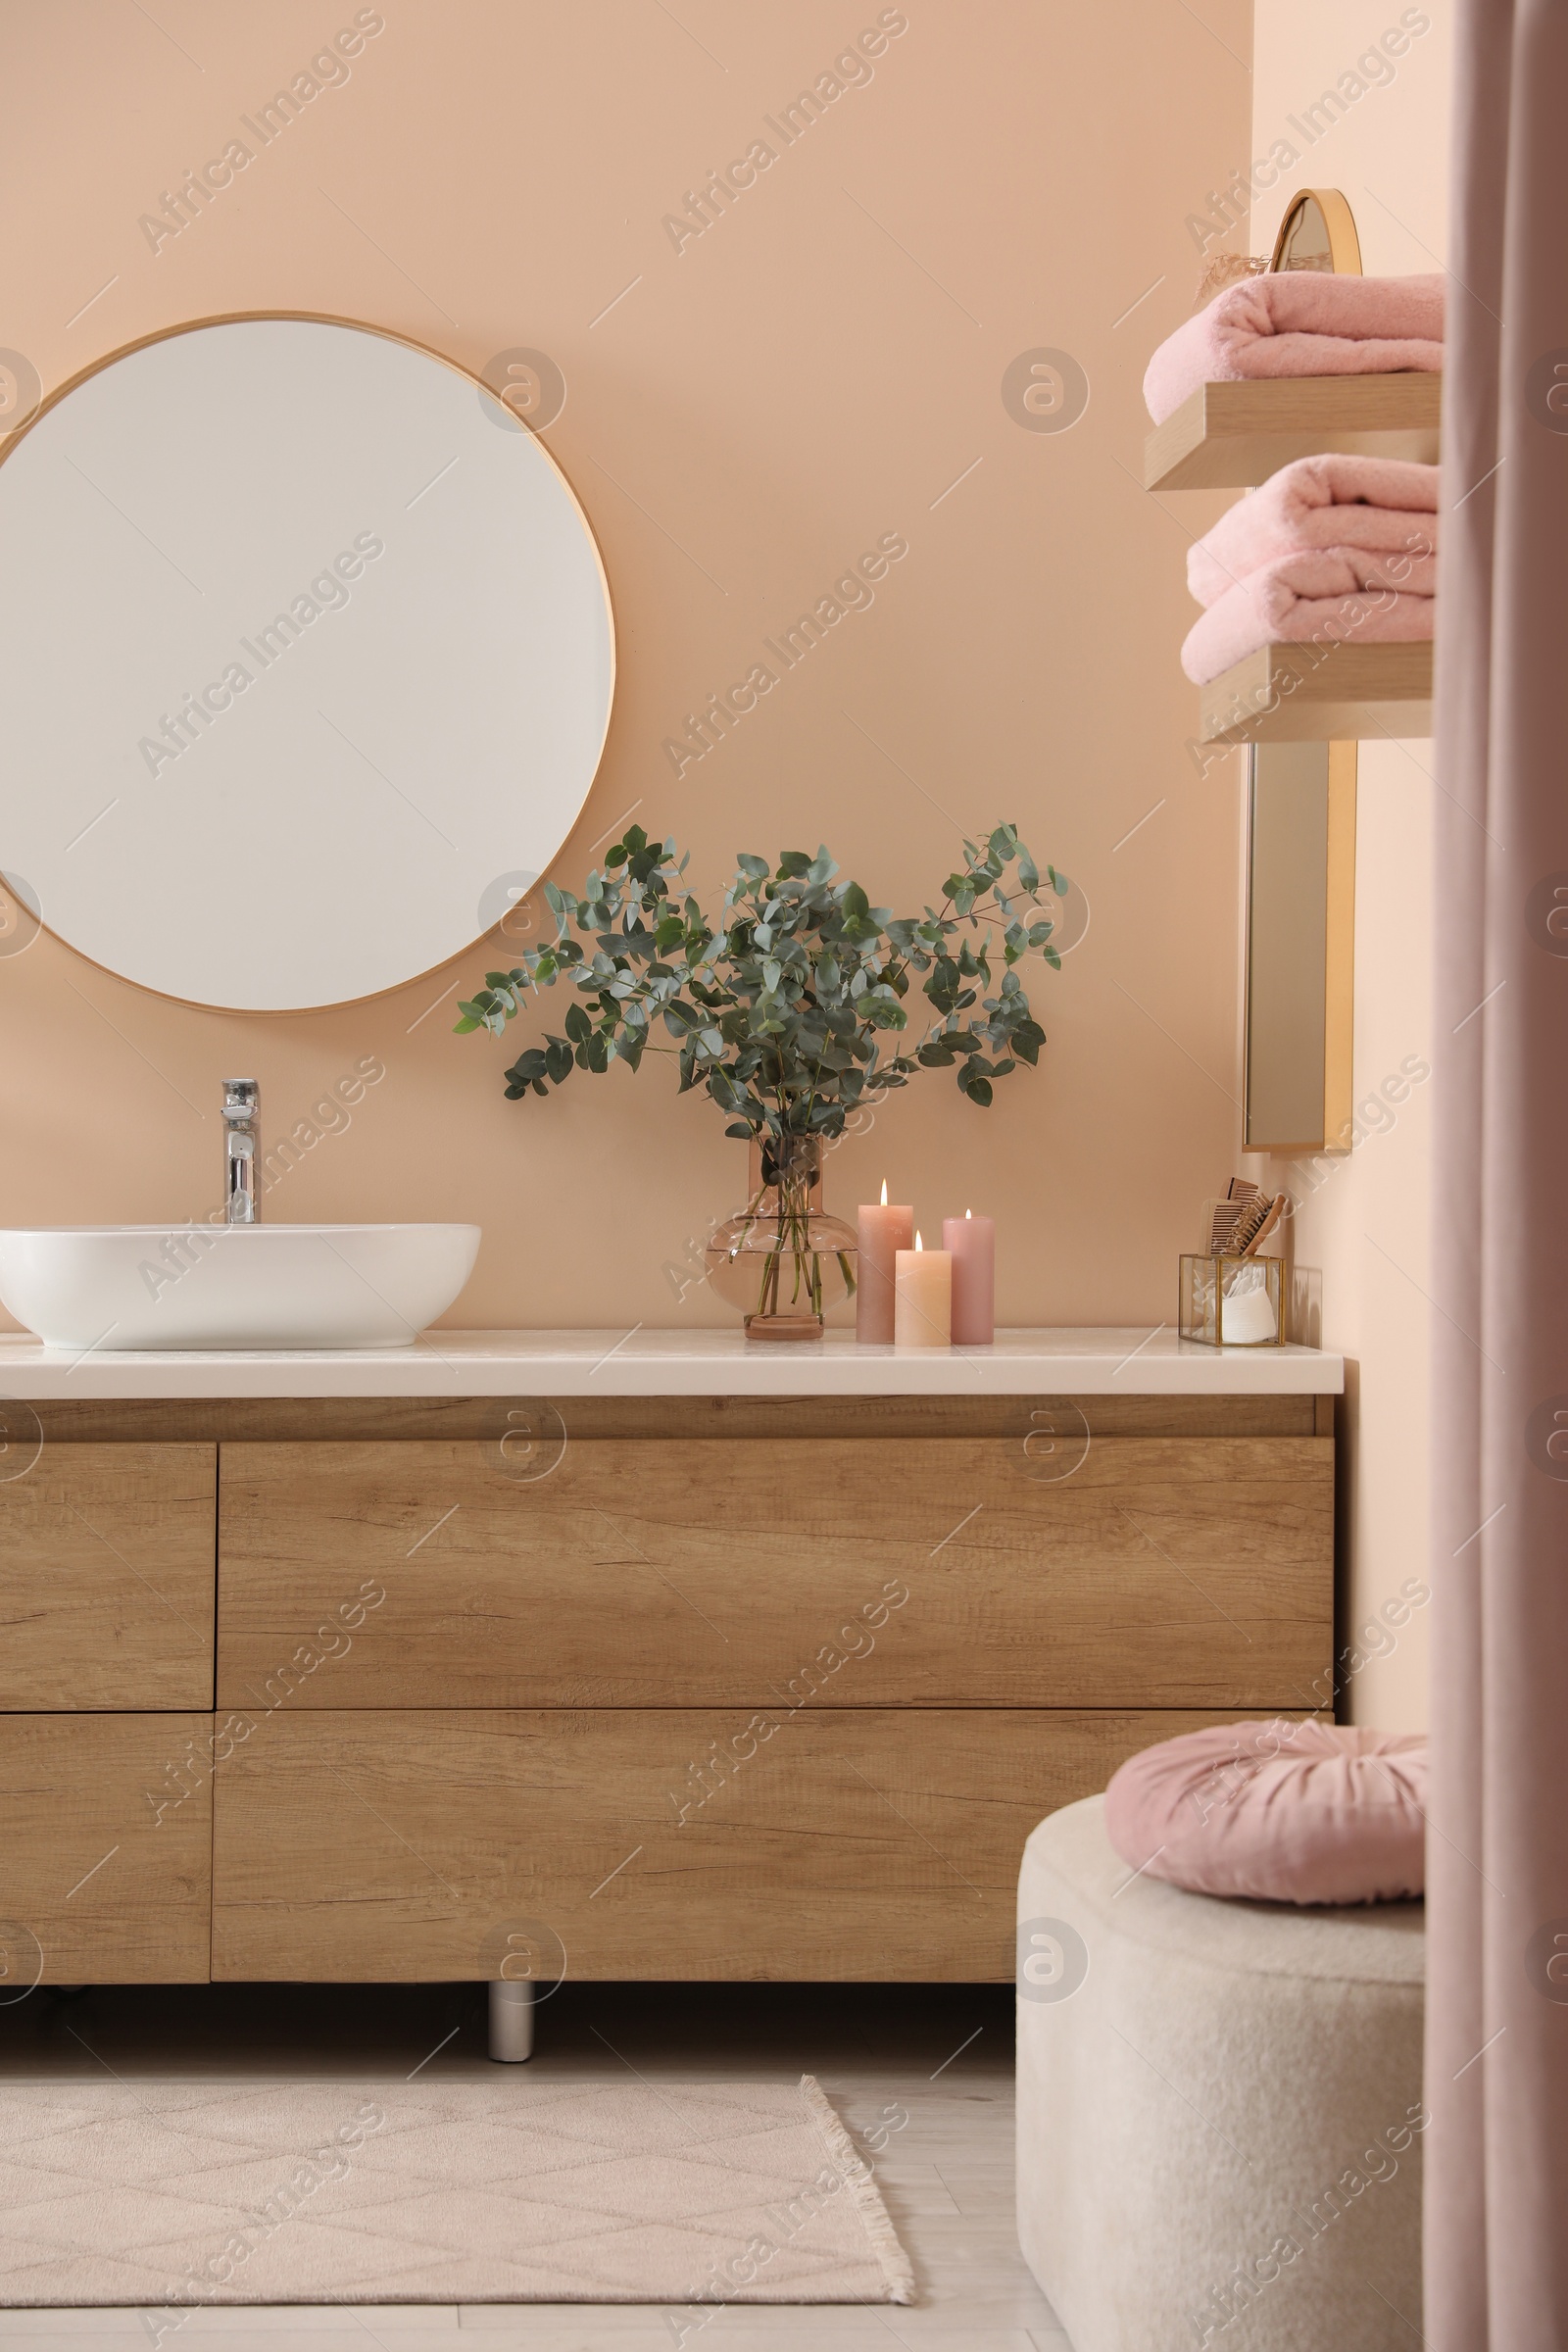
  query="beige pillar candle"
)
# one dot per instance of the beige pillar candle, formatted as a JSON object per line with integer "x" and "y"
{"x": 971, "y": 1241}
{"x": 923, "y": 1302}
{"x": 884, "y": 1232}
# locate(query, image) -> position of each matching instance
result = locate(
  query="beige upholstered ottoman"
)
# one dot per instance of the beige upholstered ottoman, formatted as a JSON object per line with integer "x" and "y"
{"x": 1219, "y": 2110}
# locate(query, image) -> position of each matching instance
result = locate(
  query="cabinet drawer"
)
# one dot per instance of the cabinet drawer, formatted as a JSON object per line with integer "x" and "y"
{"x": 638, "y": 1572}
{"x": 106, "y": 1578}
{"x": 103, "y": 1881}
{"x": 387, "y": 1846}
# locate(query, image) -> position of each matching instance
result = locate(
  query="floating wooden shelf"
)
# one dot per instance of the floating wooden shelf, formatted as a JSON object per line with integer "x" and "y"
{"x": 1307, "y": 694}
{"x": 1236, "y": 436}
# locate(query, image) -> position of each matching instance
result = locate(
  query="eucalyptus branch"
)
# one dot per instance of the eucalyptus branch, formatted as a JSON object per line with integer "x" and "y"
{"x": 790, "y": 1008}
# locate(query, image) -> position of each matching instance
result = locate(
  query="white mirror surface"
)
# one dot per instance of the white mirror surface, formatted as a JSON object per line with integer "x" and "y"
{"x": 307, "y": 664}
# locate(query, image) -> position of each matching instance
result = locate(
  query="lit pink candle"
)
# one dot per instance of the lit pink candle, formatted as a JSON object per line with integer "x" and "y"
{"x": 923, "y": 1302}
{"x": 971, "y": 1242}
{"x": 884, "y": 1232}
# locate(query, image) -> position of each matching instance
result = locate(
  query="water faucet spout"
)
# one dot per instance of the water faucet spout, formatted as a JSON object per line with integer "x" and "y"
{"x": 242, "y": 1111}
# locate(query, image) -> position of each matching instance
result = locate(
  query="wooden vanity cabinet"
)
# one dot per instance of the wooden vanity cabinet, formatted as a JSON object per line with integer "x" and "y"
{"x": 846, "y": 1843}
{"x": 106, "y": 1833}
{"x": 1163, "y": 1572}
{"x": 697, "y": 1687}
{"x": 107, "y": 1557}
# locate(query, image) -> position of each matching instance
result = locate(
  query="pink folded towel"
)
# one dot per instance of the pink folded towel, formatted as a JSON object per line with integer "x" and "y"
{"x": 1300, "y": 322}
{"x": 1316, "y": 595}
{"x": 1381, "y": 504}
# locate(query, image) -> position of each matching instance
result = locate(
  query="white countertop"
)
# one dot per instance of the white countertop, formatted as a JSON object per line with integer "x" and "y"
{"x": 644, "y": 1362}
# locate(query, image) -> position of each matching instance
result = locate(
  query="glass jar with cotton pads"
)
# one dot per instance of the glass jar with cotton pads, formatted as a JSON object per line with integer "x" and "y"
{"x": 1231, "y": 1301}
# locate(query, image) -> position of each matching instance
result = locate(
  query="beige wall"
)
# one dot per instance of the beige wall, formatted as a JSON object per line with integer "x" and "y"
{"x": 1364, "y": 1220}
{"x": 814, "y": 370}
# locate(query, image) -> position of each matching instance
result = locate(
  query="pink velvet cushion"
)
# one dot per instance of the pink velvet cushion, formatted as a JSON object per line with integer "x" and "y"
{"x": 1288, "y": 1812}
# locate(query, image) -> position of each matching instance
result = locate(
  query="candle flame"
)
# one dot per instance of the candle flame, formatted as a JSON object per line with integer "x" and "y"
{"x": 920, "y": 1244}
{"x": 884, "y": 1192}
{"x": 968, "y": 1213}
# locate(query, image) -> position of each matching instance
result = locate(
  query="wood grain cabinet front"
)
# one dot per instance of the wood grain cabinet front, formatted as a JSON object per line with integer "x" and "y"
{"x": 1129, "y": 1571}
{"x": 820, "y": 1845}
{"x": 106, "y": 1574}
{"x": 105, "y": 1850}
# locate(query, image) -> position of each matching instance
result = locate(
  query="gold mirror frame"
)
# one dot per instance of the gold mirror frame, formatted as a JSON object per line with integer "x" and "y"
{"x": 1298, "y": 1093}
{"x": 15, "y": 912}
{"x": 1300, "y": 1013}
{"x": 1318, "y": 220}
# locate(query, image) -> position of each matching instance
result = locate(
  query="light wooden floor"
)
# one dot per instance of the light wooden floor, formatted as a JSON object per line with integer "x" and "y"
{"x": 926, "y": 2071}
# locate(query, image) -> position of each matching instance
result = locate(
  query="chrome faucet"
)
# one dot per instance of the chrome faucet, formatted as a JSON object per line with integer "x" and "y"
{"x": 242, "y": 1108}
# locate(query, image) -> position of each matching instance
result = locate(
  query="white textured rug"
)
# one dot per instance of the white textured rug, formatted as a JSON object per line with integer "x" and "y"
{"x": 176, "y": 2195}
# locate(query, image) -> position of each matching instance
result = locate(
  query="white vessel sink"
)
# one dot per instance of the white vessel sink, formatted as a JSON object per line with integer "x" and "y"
{"x": 233, "y": 1286}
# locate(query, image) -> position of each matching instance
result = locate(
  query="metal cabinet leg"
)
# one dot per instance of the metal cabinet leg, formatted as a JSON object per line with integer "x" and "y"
{"x": 510, "y": 2021}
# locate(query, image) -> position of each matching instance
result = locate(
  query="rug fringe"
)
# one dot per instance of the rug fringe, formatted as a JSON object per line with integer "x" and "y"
{"x": 859, "y": 2180}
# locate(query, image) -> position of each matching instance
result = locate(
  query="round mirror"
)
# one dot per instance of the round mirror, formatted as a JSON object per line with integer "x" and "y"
{"x": 308, "y": 662}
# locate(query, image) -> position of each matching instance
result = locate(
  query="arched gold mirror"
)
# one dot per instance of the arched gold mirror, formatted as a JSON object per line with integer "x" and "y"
{"x": 1300, "y": 931}
{"x": 1318, "y": 232}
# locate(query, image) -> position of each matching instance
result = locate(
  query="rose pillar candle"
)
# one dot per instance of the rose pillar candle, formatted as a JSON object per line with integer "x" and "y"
{"x": 883, "y": 1233}
{"x": 971, "y": 1242}
{"x": 923, "y": 1297}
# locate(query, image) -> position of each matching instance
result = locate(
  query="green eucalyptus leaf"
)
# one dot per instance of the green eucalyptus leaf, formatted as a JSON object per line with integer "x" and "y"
{"x": 778, "y": 1005}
